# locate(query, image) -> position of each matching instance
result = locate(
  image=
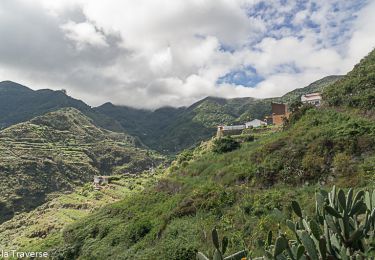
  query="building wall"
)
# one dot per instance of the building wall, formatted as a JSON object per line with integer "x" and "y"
{"x": 279, "y": 109}
{"x": 221, "y": 133}
{"x": 279, "y": 119}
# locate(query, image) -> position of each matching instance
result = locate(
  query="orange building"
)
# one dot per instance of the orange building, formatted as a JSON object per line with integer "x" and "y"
{"x": 279, "y": 112}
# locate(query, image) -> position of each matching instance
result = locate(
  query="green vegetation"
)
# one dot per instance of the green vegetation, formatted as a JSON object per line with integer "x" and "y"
{"x": 58, "y": 152}
{"x": 167, "y": 130}
{"x": 317, "y": 86}
{"x": 341, "y": 228}
{"x": 225, "y": 144}
{"x": 31, "y": 229}
{"x": 357, "y": 88}
{"x": 243, "y": 192}
{"x": 236, "y": 191}
{"x": 220, "y": 249}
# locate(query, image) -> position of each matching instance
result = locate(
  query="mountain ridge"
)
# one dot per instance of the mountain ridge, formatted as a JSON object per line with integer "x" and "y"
{"x": 166, "y": 129}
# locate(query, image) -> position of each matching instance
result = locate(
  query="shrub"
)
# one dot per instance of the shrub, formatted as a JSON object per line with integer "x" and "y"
{"x": 343, "y": 164}
{"x": 225, "y": 144}
{"x": 249, "y": 138}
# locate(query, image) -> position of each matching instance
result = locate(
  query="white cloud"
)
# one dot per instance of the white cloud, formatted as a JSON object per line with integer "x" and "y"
{"x": 84, "y": 34}
{"x": 150, "y": 53}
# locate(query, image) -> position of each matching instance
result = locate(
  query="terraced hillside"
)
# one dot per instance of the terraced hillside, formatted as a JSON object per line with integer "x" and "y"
{"x": 57, "y": 152}
{"x": 45, "y": 222}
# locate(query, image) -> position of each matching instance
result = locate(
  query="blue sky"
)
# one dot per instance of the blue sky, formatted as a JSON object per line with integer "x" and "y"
{"x": 153, "y": 53}
{"x": 335, "y": 32}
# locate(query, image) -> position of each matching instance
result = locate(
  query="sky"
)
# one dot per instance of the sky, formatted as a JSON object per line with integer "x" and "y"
{"x": 154, "y": 53}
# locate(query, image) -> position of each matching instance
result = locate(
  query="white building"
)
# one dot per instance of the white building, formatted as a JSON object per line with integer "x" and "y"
{"x": 255, "y": 123}
{"x": 313, "y": 99}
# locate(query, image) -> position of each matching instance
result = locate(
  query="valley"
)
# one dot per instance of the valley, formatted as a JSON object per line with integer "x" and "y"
{"x": 156, "y": 209}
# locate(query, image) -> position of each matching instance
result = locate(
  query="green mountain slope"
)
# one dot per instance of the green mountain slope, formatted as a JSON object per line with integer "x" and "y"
{"x": 170, "y": 130}
{"x": 57, "y": 152}
{"x": 167, "y": 130}
{"x": 235, "y": 191}
{"x": 357, "y": 88}
{"x": 317, "y": 86}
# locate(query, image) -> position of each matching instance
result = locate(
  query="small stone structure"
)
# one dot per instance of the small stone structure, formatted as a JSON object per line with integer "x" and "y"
{"x": 99, "y": 181}
{"x": 223, "y": 130}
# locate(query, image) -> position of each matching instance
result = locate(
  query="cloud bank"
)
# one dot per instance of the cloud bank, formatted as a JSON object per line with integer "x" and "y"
{"x": 153, "y": 53}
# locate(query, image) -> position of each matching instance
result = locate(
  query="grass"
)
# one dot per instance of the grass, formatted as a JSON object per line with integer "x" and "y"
{"x": 235, "y": 191}
{"x": 42, "y": 227}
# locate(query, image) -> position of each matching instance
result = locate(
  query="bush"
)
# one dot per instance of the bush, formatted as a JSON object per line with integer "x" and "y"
{"x": 225, "y": 144}
{"x": 249, "y": 138}
{"x": 343, "y": 164}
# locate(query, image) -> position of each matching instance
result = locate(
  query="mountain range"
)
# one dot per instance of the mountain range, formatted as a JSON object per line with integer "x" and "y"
{"x": 167, "y": 130}
{"x": 240, "y": 185}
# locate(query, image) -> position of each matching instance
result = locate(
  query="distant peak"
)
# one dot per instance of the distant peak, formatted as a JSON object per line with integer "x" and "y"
{"x": 107, "y": 104}
{"x": 13, "y": 86}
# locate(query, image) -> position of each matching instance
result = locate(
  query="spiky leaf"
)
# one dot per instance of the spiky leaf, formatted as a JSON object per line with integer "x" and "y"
{"x": 237, "y": 256}
{"x": 308, "y": 243}
{"x": 341, "y": 198}
{"x": 315, "y": 229}
{"x": 359, "y": 195}
{"x": 291, "y": 225}
{"x": 269, "y": 238}
{"x": 296, "y": 208}
{"x": 215, "y": 238}
{"x": 320, "y": 199}
{"x": 224, "y": 245}
{"x": 368, "y": 200}
{"x": 332, "y": 211}
{"x": 323, "y": 247}
{"x": 201, "y": 256}
{"x": 349, "y": 199}
{"x": 280, "y": 245}
{"x": 358, "y": 208}
{"x": 300, "y": 252}
{"x": 357, "y": 235}
{"x": 217, "y": 255}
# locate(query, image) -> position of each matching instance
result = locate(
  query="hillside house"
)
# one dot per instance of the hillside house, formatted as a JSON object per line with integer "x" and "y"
{"x": 255, "y": 123}
{"x": 312, "y": 98}
{"x": 99, "y": 181}
{"x": 223, "y": 130}
{"x": 279, "y": 112}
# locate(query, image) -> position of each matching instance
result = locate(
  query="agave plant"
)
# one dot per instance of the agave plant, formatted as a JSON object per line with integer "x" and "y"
{"x": 343, "y": 227}
{"x": 219, "y": 250}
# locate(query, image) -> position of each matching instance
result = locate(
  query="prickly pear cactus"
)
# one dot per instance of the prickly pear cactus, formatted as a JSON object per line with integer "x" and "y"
{"x": 219, "y": 250}
{"x": 343, "y": 227}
